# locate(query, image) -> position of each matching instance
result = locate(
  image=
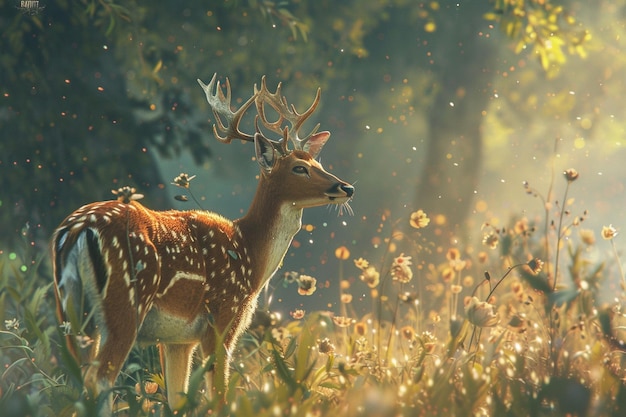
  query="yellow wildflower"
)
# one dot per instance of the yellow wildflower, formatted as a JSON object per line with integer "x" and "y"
{"x": 608, "y": 232}
{"x": 370, "y": 276}
{"x": 419, "y": 219}
{"x": 400, "y": 269}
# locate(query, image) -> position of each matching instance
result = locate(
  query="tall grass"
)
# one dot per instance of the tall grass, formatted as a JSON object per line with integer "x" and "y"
{"x": 514, "y": 327}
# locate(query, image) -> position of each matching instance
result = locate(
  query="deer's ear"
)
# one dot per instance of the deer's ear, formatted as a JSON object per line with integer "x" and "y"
{"x": 315, "y": 143}
{"x": 265, "y": 154}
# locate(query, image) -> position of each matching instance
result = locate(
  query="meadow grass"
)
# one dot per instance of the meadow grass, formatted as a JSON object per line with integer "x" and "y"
{"x": 514, "y": 327}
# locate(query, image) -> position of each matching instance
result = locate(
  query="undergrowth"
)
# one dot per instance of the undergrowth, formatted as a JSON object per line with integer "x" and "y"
{"x": 513, "y": 327}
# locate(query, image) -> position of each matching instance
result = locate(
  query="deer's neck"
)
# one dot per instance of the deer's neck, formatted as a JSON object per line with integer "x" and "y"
{"x": 267, "y": 231}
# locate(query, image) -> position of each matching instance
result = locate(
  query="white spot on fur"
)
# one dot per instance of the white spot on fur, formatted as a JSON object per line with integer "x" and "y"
{"x": 182, "y": 276}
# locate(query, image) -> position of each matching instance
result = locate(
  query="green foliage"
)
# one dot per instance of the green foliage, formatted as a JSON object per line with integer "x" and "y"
{"x": 548, "y": 30}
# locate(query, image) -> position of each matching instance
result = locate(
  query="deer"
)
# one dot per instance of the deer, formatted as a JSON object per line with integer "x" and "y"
{"x": 189, "y": 281}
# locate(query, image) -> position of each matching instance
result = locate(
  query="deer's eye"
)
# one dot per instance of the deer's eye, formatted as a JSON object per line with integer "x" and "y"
{"x": 301, "y": 170}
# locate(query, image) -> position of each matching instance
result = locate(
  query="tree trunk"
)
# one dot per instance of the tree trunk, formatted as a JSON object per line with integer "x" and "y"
{"x": 454, "y": 155}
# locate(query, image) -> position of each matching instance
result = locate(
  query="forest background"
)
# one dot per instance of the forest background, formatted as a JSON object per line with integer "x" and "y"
{"x": 445, "y": 106}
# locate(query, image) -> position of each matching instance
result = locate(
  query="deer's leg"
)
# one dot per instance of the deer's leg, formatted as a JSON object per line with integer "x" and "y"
{"x": 206, "y": 350}
{"x": 81, "y": 288}
{"x": 111, "y": 357}
{"x": 106, "y": 360}
{"x": 217, "y": 342}
{"x": 176, "y": 365}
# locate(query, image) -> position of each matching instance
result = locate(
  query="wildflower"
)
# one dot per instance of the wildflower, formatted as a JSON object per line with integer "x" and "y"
{"x": 297, "y": 314}
{"x": 344, "y": 284}
{"x": 429, "y": 341}
{"x": 408, "y": 297}
{"x": 342, "y": 321}
{"x": 490, "y": 240}
{"x": 306, "y": 285}
{"x": 183, "y": 180}
{"x": 280, "y": 333}
{"x": 67, "y": 328}
{"x": 521, "y": 226}
{"x": 346, "y": 298}
{"x": 608, "y": 232}
{"x": 290, "y": 277}
{"x": 147, "y": 405}
{"x": 419, "y": 219}
{"x": 571, "y": 175}
{"x": 342, "y": 253}
{"x": 587, "y": 236}
{"x": 370, "y": 276}
{"x": 84, "y": 341}
{"x": 127, "y": 194}
{"x": 325, "y": 346}
{"x": 360, "y": 329}
{"x": 481, "y": 313}
{"x": 455, "y": 288}
{"x": 453, "y": 254}
{"x": 447, "y": 274}
{"x": 12, "y": 324}
{"x": 434, "y": 317}
{"x": 468, "y": 281}
{"x": 407, "y": 332}
{"x": 458, "y": 264}
{"x": 535, "y": 265}
{"x": 150, "y": 387}
{"x": 400, "y": 269}
{"x": 361, "y": 263}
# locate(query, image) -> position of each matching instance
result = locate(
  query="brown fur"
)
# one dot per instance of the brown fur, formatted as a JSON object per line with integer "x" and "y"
{"x": 176, "y": 277}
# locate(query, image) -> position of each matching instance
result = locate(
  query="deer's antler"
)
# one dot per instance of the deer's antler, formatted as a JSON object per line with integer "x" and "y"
{"x": 220, "y": 105}
{"x": 226, "y": 127}
{"x": 285, "y": 112}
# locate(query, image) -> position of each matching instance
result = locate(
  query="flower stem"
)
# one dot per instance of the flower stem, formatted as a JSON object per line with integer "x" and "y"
{"x": 500, "y": 281}
{"x": 558, "y": 237}
{"x": 619, "y": 265}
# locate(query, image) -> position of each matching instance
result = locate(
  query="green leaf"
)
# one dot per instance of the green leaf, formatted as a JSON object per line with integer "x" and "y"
{"x": 283, "y": 371}
{"x": 561, "y": 297}
{"x": 111, "y": 26}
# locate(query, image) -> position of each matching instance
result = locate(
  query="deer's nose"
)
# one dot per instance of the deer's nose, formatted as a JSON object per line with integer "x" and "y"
{"x": 348, "y": 189}
{"x": 339, "y": 190}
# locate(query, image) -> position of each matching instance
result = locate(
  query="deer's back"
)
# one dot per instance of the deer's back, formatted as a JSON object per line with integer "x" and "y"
{"x": 176, "y": 268}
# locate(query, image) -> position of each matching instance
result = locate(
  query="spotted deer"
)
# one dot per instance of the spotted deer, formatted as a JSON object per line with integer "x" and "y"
{"x": 127, "y": 274}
